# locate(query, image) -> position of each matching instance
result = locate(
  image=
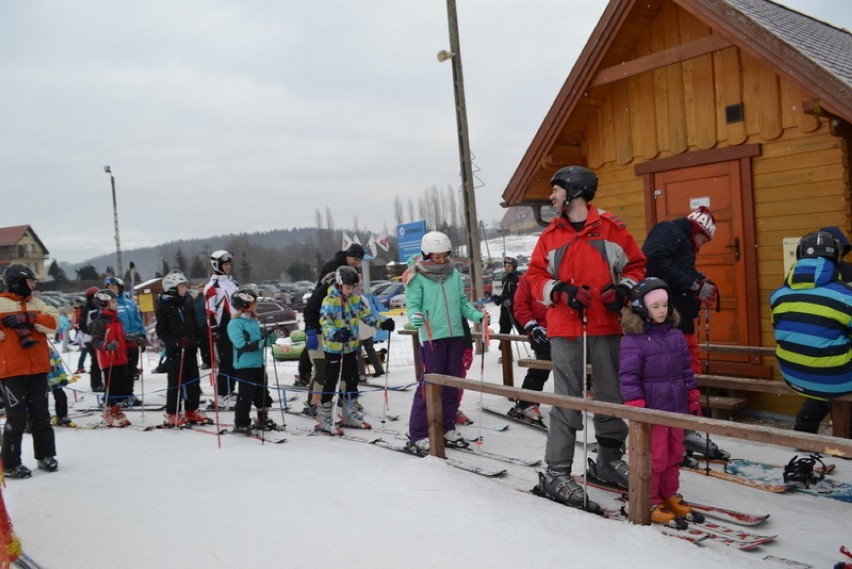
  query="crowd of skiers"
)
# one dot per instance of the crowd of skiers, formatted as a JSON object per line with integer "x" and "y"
{"x": 590, "y": 296}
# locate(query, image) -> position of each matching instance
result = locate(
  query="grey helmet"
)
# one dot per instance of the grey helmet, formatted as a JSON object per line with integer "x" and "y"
{"x": 577, "y": 181}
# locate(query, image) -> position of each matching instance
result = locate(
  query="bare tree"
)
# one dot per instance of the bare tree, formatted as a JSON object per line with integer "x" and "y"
{"x": 397, "y": 210}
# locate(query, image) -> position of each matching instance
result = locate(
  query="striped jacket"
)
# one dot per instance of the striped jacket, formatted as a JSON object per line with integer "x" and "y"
{"x": 338, "y": 312}
{"x": 812, "y": 317}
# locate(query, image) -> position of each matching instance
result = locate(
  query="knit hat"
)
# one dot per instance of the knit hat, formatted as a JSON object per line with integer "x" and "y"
{"x": 702, "y": 220}
{"x": 655, "y": 295}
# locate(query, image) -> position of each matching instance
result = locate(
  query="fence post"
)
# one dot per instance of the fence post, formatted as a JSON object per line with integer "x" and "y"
{"x": 435, "y": 414}
{"x": 639, "y": 480}
{"x": 508, "y": 363}
{"x": 415, "y": 349}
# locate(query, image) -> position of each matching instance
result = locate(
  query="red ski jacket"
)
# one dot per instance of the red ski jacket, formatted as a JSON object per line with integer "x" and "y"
{"x": 602, "y": 253}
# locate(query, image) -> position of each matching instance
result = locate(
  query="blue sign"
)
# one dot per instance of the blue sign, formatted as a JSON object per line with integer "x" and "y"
{"x": 409, "y": 236}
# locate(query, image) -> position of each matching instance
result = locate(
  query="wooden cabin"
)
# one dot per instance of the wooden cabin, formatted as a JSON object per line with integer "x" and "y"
{"x": 19, "y": 245}
{"x": 741, "y": 105}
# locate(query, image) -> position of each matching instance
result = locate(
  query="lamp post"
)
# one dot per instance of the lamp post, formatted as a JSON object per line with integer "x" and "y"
{"x": 454, "y": 55}
{"x": 120, "y": 271}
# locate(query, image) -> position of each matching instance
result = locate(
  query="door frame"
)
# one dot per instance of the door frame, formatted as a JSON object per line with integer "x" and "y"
{"x": 743, "y": 153}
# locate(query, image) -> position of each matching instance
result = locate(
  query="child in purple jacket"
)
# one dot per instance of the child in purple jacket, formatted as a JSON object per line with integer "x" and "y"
{"x": 656, "y": 372}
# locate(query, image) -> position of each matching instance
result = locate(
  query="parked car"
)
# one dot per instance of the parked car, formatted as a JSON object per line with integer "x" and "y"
{"x": 397, "y": 301}
{"x": 487, "y": 286}
{"x": 278, "y": 317}
{"x": 389, "y": 292}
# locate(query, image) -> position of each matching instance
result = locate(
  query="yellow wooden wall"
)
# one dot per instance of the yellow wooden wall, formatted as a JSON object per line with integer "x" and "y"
{"x": 801, "y": 180}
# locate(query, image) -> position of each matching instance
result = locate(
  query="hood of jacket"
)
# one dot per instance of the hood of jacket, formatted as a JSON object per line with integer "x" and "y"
{"x": 632, "y": 323}
{"x": 811, "y": 273}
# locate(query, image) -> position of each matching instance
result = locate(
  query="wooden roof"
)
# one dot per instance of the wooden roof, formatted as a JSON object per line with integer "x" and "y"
{"x": 812, "y": 54}
{"x": 10, "y": 236}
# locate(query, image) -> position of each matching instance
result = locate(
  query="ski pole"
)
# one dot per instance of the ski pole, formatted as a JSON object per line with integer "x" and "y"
{"x": 707, "y": 370}
{"x": 214, "y": 374}
{"x": 486, "y": 340}
{"x": 387, "y": 372}
{"x": 428, "y": 327}
{"x": 180, "y": 383}
{"x": 585, "y": 324}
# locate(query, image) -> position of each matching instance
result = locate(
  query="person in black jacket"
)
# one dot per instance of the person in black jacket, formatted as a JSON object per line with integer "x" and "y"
{"x": 506, "y": 298}
{"x": 180, "y": 332}
{"x": 352, "y": 257}
{"x": 671, "y": 249}
{"x": 85, "y": 317}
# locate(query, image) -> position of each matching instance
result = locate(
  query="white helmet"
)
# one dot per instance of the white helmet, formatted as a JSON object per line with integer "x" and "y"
{"x": 219, "y": 258}
{"x": 173, "y": 279}
{"x": 435, "y": 242}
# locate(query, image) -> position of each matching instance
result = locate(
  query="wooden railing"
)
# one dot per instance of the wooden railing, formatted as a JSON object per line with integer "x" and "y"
{"x": 841, "y": 412}
{"x": 639, "y": 436}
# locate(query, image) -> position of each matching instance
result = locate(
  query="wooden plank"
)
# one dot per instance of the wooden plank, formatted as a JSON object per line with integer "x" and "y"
{"x": 674, "y": 84}
{"x": 595, "y": 141}
{"x": 650, "y": 146}
{"x": 659, "y": 59}
{"x": 661, "y": 104}
{"x": 730, "y": 85}
{"x": 769, "y": 110}
{"x": 639, "y": 476}
{"x": 435, "y": 415}
{"x": 608, "y": 130}
{"x": 623, "y": 131}
{"x": 751, "y": 92}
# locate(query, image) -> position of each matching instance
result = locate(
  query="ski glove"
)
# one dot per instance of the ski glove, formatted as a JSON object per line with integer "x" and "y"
{"x": 417, "y": 319}
{"x": 635, "y": 403}
{"x": 341, "y": 335}
{"x": 20, "y": 320}
{"x": 311, "y": 340}
{"x": 141, "y": 342}
{"x": 388, "y": 325}
{"x": 575, "y": 297}
{"x": 705, "y": 290}
{"x": 496, "y": 299}
{"x": 252, "y": 346}
{"x": 507, "y": 303}
{"x": 693, "y": 406}
{"x": 614, "y": 297}
{"x": 111, "y": 346}
{"x": 538, "y": 334}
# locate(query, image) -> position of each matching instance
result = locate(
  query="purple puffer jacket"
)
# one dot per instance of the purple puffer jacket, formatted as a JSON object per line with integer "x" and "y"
{"x": 655, "y": 364}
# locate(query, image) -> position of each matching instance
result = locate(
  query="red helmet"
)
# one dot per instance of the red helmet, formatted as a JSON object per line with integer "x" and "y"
{"x": 90, "y": 292}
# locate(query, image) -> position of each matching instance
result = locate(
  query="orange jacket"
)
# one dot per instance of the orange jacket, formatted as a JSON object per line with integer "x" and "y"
{"x": 15, "y": 360}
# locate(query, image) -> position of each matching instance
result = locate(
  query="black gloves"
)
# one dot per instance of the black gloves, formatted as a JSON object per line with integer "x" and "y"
{"x": 575, "y": 297}
{"x": 111, "y": 346}
{"x": 388, "y": 325}
{"x": 614, "y": 297}
{"x": 341, "y": 335}
{"x": 20, "y": 320}
{"x": 538, "y": 334}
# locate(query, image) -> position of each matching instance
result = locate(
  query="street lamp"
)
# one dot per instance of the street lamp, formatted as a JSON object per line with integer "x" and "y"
{"x": 454, "y": 55}
{"x": 120, "y": 272}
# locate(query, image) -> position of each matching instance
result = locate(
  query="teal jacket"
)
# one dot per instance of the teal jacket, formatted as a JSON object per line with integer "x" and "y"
{"x": 242, "y": 331}
{"x": 336, "y": 313}
{"x": 443, "y": 305}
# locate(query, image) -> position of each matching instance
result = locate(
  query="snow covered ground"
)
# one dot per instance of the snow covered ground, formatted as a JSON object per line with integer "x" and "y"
{"x": 174, "y": 499}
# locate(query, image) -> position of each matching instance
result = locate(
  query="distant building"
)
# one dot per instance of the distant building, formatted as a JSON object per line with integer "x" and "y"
{"x": 19, "y": 245}
{"x": 518, "y": 220}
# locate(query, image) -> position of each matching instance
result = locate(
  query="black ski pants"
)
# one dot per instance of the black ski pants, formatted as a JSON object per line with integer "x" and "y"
{"x": 335, "y": 366}
{"x": 60, "y": 401}
{"x": 536, "y": 378}
{"x": 226, "y": 378}
{"x": 252, "y": 391}
{"x": 26, "y": 395}
{"x": 183, "y": 382}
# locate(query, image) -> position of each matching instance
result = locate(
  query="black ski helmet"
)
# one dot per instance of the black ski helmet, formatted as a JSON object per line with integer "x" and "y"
{"x": 219, "y": 258}
{"x": 346, "y": 275}
{"x": 16, "y": 277}
{"x": 511, "y": 261}
{"x": 643, "y": 287}
{"x": 103, "y": 297}
{"x": 577, "y": 181}
{"x": 243, "y": 299}
{"x": 819, "y": 244}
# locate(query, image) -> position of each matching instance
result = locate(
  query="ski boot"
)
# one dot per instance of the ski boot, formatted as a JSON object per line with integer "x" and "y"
{"x": 196, "y": 417}
{"x": 302, "y": 381}
{"x": 246, "y": 430}
{"x": 19, "y": 471}
{"x": 676, "y": 505}
{"x": 462, "y": 419}
{"x": 420, "y": 448}
{"x": 176, "y": 420}
{"x": 701, "y": 446}
{"x": 354, "y": 401}
{"x": 352, "y": 417}
{"x": 49, "y": 464}
{"x": 560, "y": 486}
{"x": 529, "y": 413}
{"x": 63, "y": 422}
{"x": 263, "y": 422}
{"x": 115, "y": 417}
{"x": 309, "y": 410}
{"x": 325, "y": 422}
{"x": 609, "y": 467}
{"x": 660, "y": 514}
{"x": 455, "y": 439}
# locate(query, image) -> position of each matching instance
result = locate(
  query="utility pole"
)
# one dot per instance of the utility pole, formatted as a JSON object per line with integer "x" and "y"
{"x": 469, "y": 201}
{"x": 120, "y": 269}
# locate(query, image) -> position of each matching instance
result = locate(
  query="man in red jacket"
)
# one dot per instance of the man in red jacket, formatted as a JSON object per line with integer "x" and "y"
{"x": 25, "y": 322}
{"x": 532, "y": 315}
{"x": 583, "y": 267}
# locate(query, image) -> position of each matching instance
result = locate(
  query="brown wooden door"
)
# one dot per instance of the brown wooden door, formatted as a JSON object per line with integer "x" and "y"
{"x": 678, "y": 192}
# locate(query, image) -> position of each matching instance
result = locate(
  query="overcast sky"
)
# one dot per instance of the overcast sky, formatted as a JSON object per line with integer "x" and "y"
{"x": 241, "y": 116}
